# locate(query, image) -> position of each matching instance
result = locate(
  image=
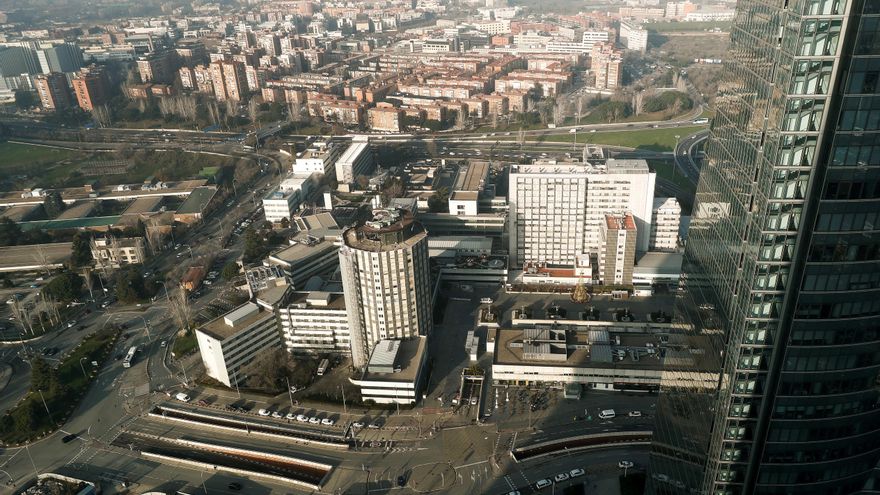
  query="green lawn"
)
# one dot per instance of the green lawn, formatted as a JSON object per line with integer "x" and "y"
{"x": 185, "y": 344}
{"x": 75, "y": 374}
{"x": 16, "y": 157}
{"x": 680, "y": 27}
{"x": 646, "y": 139}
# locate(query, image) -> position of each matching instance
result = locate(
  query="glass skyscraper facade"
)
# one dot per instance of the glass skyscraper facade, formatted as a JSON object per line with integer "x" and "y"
{"x": 781, "y": 285}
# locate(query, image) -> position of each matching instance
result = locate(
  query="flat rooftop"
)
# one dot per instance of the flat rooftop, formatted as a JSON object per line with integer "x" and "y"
{"x": 300, "y": 251}
{"x": 197, "y": 200}
{"x": 335, "y": 300}
{"x": 581, "y": 352}
{"x": 220, "y": 330}
{"x": 473, "y": 177}
{"x": 143, "y": 205}
{"x": 409, "y": 356}
{"x": 13, "y": 257}
{"x": 78, "y": 210}
{"x": 659, "y": 262}
{"x": 354, "y": 151}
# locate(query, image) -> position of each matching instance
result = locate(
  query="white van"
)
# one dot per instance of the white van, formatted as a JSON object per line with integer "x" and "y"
{"x": 607, "y": 414}
{"x": 182, "y": 397}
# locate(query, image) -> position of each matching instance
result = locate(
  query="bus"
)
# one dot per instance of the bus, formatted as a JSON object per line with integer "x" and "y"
{"x": 323, "y": 367}
{"x": 126, "y": 363}
{"x": 701, "y": 120}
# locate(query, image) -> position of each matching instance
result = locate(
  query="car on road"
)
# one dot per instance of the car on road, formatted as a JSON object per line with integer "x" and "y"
{"x": 625, "y": 464}
{"x": 574, "y": 473}
{"x": 635, "y": 414}
{"x": 264, "y": 412}
{"x": 164, "y": 343}
{"x": 473, "y": 401}
{"x": 561, "y": 477}
{"x": 234, "y": 486}
{"x": 314, "y": 421}
{"x": 357, "y": 424}
{"x": 607, "y": 414}
{"x": 544, "y": 483}
{"x": 327, "y": 422}
{"x": 68, "y": 438}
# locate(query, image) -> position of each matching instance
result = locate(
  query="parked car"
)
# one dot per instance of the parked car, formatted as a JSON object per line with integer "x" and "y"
{"x": 68, "y": 438}
{"x": 182, "y": 397}
{"x": 635, "y": 414}
{"x": 289, "y": 416}
{"x": 302, "y": 418}
{"x": 576, "y": 472}
{"x": 264, "y": 412}
{"x": 277, "y": 415}
{"x": 561, "y": 477}
{"x": 375, "y": 425}
{"x": 327, "y": 422}
{"x": 314, "y": 421}
{"x": 401, "y": 480}
{"x": 625, "y": 464}
{"x": 541, "y": 484}
{"x": 234, "y": 486}
{"x": 357, "y": 424}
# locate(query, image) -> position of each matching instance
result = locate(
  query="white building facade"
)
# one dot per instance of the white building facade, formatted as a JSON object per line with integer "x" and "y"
{"x": 315, "y": 322}
{"x": 633, "y": 36}
{"x": 234, "y": 340}
{"x": 386, "y": 280}
{"x": 665, "y": 222}
{"x": 356, "y": 160}
{"x": 557, "y": 209}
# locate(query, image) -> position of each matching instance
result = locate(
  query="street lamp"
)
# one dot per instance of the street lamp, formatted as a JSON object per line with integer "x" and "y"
{"x": 82, "y": 368}
{"x": 147, "y": 328}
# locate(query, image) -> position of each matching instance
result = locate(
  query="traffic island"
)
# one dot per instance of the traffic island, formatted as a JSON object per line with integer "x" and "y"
{"x": 56, "y": 392}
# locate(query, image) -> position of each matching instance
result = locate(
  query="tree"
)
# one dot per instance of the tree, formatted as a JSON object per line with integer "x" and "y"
{"x": 10, "y": 232}
{"x": 25, "y": 99}
{"x": 439, "y": 201}
{"x": 53, "y": 204}
{"x": 43, "y": 376}
{"x": 82, "y": 252}
{"x": 285, "y": 223}
{"x": 362, "y": 181}
{"x": 25, "y": 416}
{"x": 180, "y": 309}
{"x": 270, "y": 369}
{"x": 130, "y": 286}
{"x": 230, "y": 270}
{"x": 254, "y": 246}
{"x": 580, "y": 294}
{"x": 65, "y": 287}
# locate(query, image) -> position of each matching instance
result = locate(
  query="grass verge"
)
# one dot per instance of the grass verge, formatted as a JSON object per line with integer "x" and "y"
{"x": 30, "y": 420}
{"x": 646, "y": 139}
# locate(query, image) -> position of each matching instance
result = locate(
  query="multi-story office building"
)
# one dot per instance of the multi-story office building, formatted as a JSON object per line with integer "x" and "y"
{"x": 781, "y": 269}
{"x": 386, "y": 277}
{"x": 557, "y": 209}
{"x": 90, "y": 87}
{"x": 665, "y": 222}
{"x": 356, "y": 160}
{"x": 633, "y": 36}
{"x": 314, "y": 322}
{"x": 619, "y": 253}
{"x": 306, "y": 257}
{"x": 53, "y": 90}
{"x": 234, "y": 340}
{"x": 63, "y": 57}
